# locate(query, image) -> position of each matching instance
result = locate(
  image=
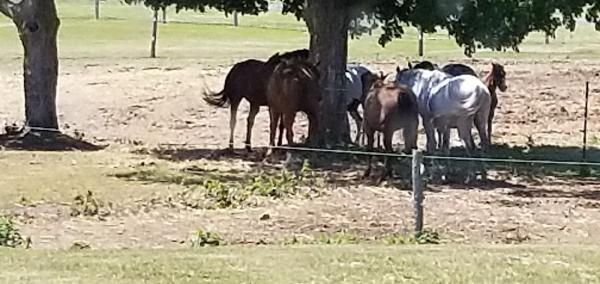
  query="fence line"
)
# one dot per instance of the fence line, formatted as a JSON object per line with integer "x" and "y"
{"x": 427, "y": 157}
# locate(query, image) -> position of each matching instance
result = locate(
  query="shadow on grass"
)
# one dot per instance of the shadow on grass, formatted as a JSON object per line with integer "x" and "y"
{"x": 46, "y": 141}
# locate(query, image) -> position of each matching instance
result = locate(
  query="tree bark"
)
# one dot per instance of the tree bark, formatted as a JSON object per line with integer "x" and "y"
{"x": 328, "y": 23}
{"x": 38, "y": 23}
{"x": 97, "y": 9}
{"x": 154, "y": 33}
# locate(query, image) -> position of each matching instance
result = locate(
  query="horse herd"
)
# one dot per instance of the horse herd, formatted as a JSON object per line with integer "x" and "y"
{"x": 445, "y": 98}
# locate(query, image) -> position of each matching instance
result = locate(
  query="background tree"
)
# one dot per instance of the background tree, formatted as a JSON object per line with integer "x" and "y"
{"x": 37, "y": 24}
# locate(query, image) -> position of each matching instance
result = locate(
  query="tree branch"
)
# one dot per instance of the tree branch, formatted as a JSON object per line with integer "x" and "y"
{"x": 7, "y": 7}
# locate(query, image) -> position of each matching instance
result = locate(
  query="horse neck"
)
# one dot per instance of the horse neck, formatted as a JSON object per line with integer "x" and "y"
{"x": 491, "y": 84}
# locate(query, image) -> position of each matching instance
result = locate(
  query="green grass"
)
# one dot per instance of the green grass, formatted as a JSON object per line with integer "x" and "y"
{"x": 209, "y": 38}
{"x": 307, "y": 264}
{"x": 60, "y": 177}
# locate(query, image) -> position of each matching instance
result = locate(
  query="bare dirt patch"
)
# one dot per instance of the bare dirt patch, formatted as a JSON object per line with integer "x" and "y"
{"x": 140, "y": 104}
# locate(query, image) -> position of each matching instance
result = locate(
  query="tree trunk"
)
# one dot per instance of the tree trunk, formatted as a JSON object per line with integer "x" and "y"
{"x": 154, "y": 33}
{"x": 38, "y": 24}
{"x": 328, "y": 24}
{"x": 97, "y": 9}
{"x": 164, "y": 15}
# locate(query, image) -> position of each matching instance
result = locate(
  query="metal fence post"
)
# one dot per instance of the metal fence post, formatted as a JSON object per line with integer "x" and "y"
{"x": 417, "y": 185}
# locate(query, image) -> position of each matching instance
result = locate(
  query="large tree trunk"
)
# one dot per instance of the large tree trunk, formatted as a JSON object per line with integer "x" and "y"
{"x": 328, "y": 24}
{"x": 38, "y": 24}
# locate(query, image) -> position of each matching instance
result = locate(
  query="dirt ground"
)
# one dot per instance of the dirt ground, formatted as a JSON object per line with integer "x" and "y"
{"x": 143, "y": 103}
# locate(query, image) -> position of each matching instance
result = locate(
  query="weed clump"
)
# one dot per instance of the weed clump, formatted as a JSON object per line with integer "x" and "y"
{"x": 9, "y": 234}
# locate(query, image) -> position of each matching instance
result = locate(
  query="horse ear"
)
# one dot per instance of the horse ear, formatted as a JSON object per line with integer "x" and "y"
{"x": 398, "y": 69}
{"x": 410, "y": 66}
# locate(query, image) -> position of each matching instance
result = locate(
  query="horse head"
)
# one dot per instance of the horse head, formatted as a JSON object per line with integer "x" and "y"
{"x": 499, "y": 76}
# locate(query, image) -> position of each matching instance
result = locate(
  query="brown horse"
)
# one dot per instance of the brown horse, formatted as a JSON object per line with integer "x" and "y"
{"x": 249, "y": 79}
{"x": 494, "y": 80}
{"x": 388, "y": 108}
{"x": 293, "y": 87}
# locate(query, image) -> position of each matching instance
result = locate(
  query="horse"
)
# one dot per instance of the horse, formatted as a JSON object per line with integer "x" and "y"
{"x": 458, "y": 102}
{"x": 358, "y": 81}
{"x": 457, "y": 69}
{"x": 496, "y": 79}
{"x": 248, "y": 79}
{"x": 426, "y": 65}
{"x": 445, "y": 101}
{"x": 293, "y": 87}
{"x": 388, "y": 108}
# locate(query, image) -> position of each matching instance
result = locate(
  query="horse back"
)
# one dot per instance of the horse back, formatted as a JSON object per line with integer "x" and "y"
{"x": 457, "y": 69}
{"x": 248, "y": 79}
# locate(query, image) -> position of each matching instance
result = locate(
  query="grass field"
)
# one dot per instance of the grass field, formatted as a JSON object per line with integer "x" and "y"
{"x": 308, "y": 264}
{"x": 110, "y": 90}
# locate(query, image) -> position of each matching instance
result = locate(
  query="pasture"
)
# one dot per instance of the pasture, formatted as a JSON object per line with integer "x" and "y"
{"x": 163, "y": 176}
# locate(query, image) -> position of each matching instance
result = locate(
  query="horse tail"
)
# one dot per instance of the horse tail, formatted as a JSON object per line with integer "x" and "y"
{"x": 220, "y": 99}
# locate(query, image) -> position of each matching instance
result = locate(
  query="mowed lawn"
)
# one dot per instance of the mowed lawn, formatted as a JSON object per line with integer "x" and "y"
{"x": 308, "y": 264}
{"x": 124, "y": 32}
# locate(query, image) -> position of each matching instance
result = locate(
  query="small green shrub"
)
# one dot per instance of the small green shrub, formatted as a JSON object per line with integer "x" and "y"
{"x": 9, "y": 234}
{"x": 426, "y": 237}
{"x": 206, "y": 238}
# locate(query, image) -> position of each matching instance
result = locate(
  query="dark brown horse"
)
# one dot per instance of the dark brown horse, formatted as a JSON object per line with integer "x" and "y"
{"x": 249, "y": 79}
{"x": 457, "y": 69}
{"x": 293, "y": 87}
{"x": 388, "y": 108}
{"x": 426, "y": 65}
{"x": 495, "y": 80}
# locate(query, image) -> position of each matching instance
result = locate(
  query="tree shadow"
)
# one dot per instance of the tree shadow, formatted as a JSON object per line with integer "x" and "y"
{"x": 346, "y": 169}
{"x": 46, "y": 141}
{"x": 554, "y": 193}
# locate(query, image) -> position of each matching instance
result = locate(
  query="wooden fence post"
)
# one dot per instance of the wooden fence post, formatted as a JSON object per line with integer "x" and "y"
{"x": 417, "y": 184}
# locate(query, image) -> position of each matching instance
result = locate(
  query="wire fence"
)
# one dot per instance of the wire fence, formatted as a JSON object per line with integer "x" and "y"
{"x": 434, "y": 157}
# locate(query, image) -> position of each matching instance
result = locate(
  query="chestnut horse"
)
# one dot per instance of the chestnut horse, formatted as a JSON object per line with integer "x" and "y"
{"x": 293, "y": 87}
{"x": 248, "y": 79}
{"x": 388, "y": 108}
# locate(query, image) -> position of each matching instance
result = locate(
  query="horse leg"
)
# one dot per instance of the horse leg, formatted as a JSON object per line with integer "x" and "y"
{"x": 353, "y": 110}
{"x": 490, "y": 120}
{"x": 446, "y": 140}
{"x": 275, "y": 117}
{"x": 481, "y": 122}
{"x": 254, "y": 108}
{"x": 281, "y": 128}
{"x": 430, "y": 133}
{"x": 387, "y": 144}
{"x": 370, "y": 135}
{"x": 410, "y": 133}
{"x": 232, "y": 121}
{"x": 288, "y": 121}
{"x": 464, "y": 132}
